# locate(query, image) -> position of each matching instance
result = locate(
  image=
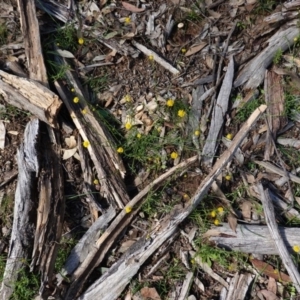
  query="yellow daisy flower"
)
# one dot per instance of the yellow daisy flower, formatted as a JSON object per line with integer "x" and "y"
{"x": 128, "y": 209}
{"x": 75, "y": 99}
{"x": 181, "y": 113}
{"x": 81, "y": 41}
{"x": 170, "y": 102}
{"x": 120, "y": 150}
{"x": 86, "y": 144}
{"x": 174, "y": 155}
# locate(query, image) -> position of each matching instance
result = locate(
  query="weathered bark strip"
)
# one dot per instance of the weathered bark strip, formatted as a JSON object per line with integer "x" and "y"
{"x": 22, "y": 235}
{"x": 105, "y": 242}
{"x": 274, "y": 96}
{"x": 31, "y": 96}
{"x": 218, "y": 115}
{"x": 50, "y": 210}
{"x": 253, "y": 73}
{"x": 254, "y": 239}
{"x": 65, "y": 15}
{"x": 113, "y": 282}
{"x": 86, "y": 244}
{"x": 32, "y": 44}
{"x": 275, "y": 234}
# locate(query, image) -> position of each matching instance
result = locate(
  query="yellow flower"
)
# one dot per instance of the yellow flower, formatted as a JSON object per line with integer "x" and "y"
{"x": 197, "y": 132}
{"x": 183, "y": 50}
{"x": 228, "y": 177}
{"x": 181, "y": 113}
{"x": 138, "y": 135}
{"x": 96, "y": 181}
{"x": 296, "y": 248}
{"x": 193, "y": 261}
{"x": 80, "y": 41}
{"x": 128, "y": 209}
{"x": 86, "y": 144}
{"x": 128, "y": 125}
{"x": 213, "y": 213}
{"x": 75, "y": 99}
{"x": 83, "y": 111}
{"x": 120, "y": 150}
{"x": 174, "y": 155}
{"x": 72, "y": 90}
{"x": 216, "y": 222}
{"x": 127, "y": 20}
{"x": 186, "y": 196}
{"x": 128, "y": 98}
{"x": 170, "y": 102}
{"x": 229, "y": 136}
{"x": 151, "y": 57}
{"x": 220, "y": 209}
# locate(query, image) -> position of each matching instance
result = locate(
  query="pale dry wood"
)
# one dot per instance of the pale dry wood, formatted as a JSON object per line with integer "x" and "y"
{"x": 104, "y": 243}
{"x": 254, "y": 239}
{"x": 239, "y": 286}
{"x": 253, "y": 73}
{"x": 269, "y": 166}
{"x": 281, "y": 16}
{"x": 22, "y": 234}
{"x": 32, "y": 44}
{"x": 186, "y": 285}
{"x": 277, "y": 238}
{"x": 274, "y": 97}
{"x": 291, "y": 5}
{"x": 289, "y": 142}
{"x": 113, "y": 282}
{"x": 66, "y": 15}
{"x": 156, "y": 57}
{"x": 218, "y": 115}
{"x": 30, "y": 95}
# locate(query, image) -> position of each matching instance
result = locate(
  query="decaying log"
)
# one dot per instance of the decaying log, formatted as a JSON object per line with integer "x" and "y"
{"x": 277, "y": 238}
{"x": 253, "y": 73}
{"x": 113, "y": 282}
{"x": 218, "y": 115}
{"x": 103, "y": 153}
{"x": 51, "y": 208}
{"x": 22, "y": 235}
{"x": 31, "y": 35}
{"x": 30, "y": 95}
{"x": 274, "y": 96}
{"x": 239, "y": 286}
{"x": 106, "y": 240}
{"x": 254, "y": 239}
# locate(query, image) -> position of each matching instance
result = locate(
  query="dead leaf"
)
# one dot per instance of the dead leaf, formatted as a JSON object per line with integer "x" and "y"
{"x": 69, "y": 153}
{"x": 269, "y": 295}
{"x": 131, "y": 7}
{"x": 71, "y": 142}
{"x": 13, "y": 132}
{"x": 268, "y": 270}
{"x": 65, "y": 53}
{"x": 272, "y": 285}
{"x": 246, "y": 210}
{"x": 126, "y": 245}
{"x": 232, "y": 221}
{"x": 150, "y": 293}
{"x": 211, "y": 232}
{"x": 195, "y": 49}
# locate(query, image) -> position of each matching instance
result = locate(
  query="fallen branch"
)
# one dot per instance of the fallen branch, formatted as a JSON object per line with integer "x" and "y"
{"x": 254, "y": 239}
{"x": 280, "y": 245}
{"x": 113, "y": 282}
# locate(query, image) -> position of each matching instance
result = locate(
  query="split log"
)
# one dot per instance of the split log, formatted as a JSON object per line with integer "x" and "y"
{"x": 254, "y": 239}
{"x": 113, "y": 282}
{"x": 107, "y": 162}
{"x": 253, "y": 73}
{"x": 22, "y": 235}
{"x": 31, "y": 36}
{"x": 30, "y": 95}
{"x": 218, "y": 115}
{"x": 277, "y": 238}
{"x": 51, "y": 208}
